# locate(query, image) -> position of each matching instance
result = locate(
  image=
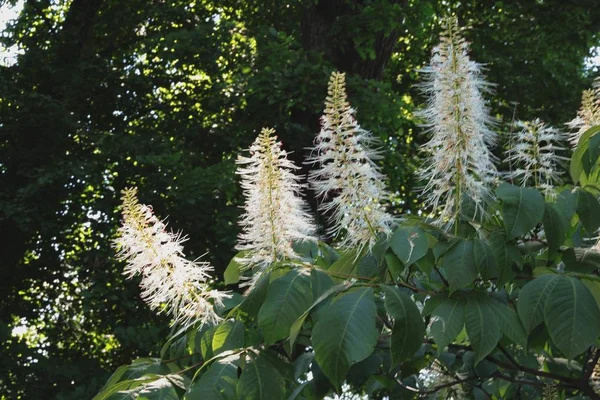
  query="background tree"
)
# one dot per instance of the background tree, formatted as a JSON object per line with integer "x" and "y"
{"x": 108, "y": 93}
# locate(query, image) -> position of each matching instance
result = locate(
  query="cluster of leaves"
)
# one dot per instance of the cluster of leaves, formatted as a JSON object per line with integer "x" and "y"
{"x": 508, "y": 308}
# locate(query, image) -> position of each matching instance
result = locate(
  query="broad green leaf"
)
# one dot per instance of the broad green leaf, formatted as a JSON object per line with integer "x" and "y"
{"x": 427, "y": 263}
{"x": 447, "y": 321}
{"x": 555, "y": 227}
{"x": 346, "y": 264}
{"x": 522, "y": 209}
{"x": 218, "y": 383}
{"x": 584, "y": 260}
{"x": 206, "y": 342}
{"x": 588, "y": 210}
{"x": 147, "y": 387}
{"x": 500, "y": 249}
{"x": 577, "y": 165}
{"x": 594, "y": 288}
{"x": 260, "y": 380}
{"x": 302, "y": 363}
{"x": 532, "y": 300}
{"x": 485, "y": 259}
{"x": 572, "y": 316}
{"x": 297, "y": 325}
{"x": 345, "y": 333}
{"x": 409, "y": 328}
{"x": 368, "y": 266}
{"x": 288, "y": 297}
{"x": 320, "y": 282}
{"x": 459, "y": 265}
{"x": 228, "y": 336}
{"x": 410, "y": 244}
{"x": 481, "y": 324}
{"x": 434, "y": 301}
{"x": 232, "y": 272}
{"x": 254, "y": 300}
{"x": 394, "y": 265}
{"x": 510, "y": 324}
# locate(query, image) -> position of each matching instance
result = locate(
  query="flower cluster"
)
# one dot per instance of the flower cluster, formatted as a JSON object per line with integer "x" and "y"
{"x": 532, "y": 156}
{"x": 587, "y": 116}
{"x": 347, "y": 173}
{"x": 169, "y": 282}
{"x": 457, "y": 118}
{"x": 275, "y": 215}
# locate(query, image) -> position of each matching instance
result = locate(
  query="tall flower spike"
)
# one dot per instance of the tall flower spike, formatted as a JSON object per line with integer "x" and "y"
{"x": 460, "y": 163}
{"x": 347, "y": 172}
{"x": 588, "y": 115}
{"x": 275, "y": 214}
{"x": 533, "y": 156}
{"x": 169, "y": 282}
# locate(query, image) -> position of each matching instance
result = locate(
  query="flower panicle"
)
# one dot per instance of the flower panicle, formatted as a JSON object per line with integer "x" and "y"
{"x": 348, "y": 183}
{"x": 533, "y": 154}
{"x": 274, "y": 215}
{"x": 588, "y": 114}
{"x": 170, "y": 283}
{"x": 458, "y": 121}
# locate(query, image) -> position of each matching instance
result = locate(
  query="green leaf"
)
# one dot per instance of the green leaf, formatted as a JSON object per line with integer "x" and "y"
{"x": 459, "y": 265}
{"x": 434, "y": 301}
{"x": 410, "y": 244}
{"x": 555, "y": 227}
{"x": 320, "y": 282}
{"x": 254, "y": 300}
{"x": 532, "y": 300}
{"x": 288, "y": 297}
{"x": 232, "y": 272}
{"x": 448, "y": 320}
{"x": 409, "y": 328}
{"x": 345, "y": 333}
{"x": 260, "y": 380}
{"x": 297, "y": 325}
{"x": 588, "y": 210}
{"x": 346, "y": 264}
{"x": 206, "y": 342}
{"x": 485, "y": 260}
{"x": 577, "y": 159}
{"x": 218, "y": 383}
{"x": 571, "y": 316}
{"x": 228, "y": 336}
{"x": 585, "y": 260}
{"x": 394, "y": 265}
{"x": 510, "y": 324}
{"x": 522, "y": 209}
{"x": 481, "y": 325}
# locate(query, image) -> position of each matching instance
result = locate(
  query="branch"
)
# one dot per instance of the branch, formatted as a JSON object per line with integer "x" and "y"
{"x": 590, "y": 370}
{"x": 437, "y": 388}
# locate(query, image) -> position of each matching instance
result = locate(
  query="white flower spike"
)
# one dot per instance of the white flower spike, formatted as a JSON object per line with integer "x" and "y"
{"x": 457, "y": 118}
{"x": 533, "y": 158}
{"x": 347, "y": 173}
{"x": 275, "y": 214}
{"x": 587, "y": 116}
{"x": 169, "y": 282}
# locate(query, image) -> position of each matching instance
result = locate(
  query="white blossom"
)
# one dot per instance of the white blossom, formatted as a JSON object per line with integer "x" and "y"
{"x": 275, "y": 215}
{"x": 532, "y": 156}
{"x": 457, "y": 118}
{"x": 347, "y": 175}
{"x": 169, "y": 282}
{"x": 587, "y": 116}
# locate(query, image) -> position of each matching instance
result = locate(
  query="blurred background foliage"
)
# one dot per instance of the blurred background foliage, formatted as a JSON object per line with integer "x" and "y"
{"x": 103, "y": 94}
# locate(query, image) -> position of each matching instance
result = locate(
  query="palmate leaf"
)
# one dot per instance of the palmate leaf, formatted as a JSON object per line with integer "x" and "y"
{"x": 481, "y": 325}
{"x": 218, "y": 383}
{"x": 522, "y": 209}
{"x": 571, "y": 316}
{"x": 409, "y": 328}
{"x": 410, "y": 244}
{"x": 448, "y": 320}
{"x": 261, "y": 380}
{"x": 288, "y": 297}
{"x": 532, "y": 300}
{"x": 459, "y": 265}
{"x": 345, "y": 333}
